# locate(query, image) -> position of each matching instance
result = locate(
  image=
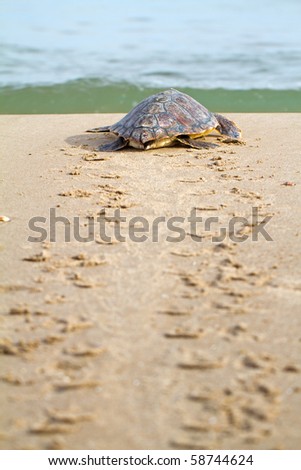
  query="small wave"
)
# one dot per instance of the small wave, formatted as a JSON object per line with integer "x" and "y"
{"x": 98, "y": 96}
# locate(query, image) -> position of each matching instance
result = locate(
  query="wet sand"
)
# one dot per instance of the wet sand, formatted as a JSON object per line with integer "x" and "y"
{"x": 115, "y": 344}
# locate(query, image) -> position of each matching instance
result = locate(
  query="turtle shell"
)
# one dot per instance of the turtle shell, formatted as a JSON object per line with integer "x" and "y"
{"x": 166, "y": 114}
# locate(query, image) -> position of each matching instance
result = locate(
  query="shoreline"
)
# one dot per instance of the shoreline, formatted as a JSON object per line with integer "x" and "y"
{"x": 89, "y": 96}
{"x": 195, "y": 344}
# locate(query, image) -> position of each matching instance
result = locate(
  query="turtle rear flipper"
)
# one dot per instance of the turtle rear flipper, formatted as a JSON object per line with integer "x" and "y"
{"x": 228, "y": 128}
{"x": 99, "y": 129}
{"x": 196, "y": 144}
{"x": 118, "y": 144}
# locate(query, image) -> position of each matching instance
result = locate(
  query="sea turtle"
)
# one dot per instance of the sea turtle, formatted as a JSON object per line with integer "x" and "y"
{"x": 165, "y": 119}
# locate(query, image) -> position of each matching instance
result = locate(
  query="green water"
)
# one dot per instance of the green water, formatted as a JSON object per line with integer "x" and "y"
{"x": 82, "y": 96}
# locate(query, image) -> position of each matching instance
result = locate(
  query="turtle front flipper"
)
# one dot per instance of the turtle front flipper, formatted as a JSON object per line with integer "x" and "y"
{"x": 99, "y": 129}
{"x": 228, "y": 128}
{"x": 118, "y": 144}
{"x": 196, "y": 144}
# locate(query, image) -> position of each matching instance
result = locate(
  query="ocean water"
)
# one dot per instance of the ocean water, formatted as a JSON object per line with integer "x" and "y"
{"x": 105, "y": 56}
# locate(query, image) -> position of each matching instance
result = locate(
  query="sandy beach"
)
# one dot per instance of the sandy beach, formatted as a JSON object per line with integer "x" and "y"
{"x": 119, "y": 343}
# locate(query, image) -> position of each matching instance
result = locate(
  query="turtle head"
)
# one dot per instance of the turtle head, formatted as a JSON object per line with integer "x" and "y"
{"x": 227, "y": 127}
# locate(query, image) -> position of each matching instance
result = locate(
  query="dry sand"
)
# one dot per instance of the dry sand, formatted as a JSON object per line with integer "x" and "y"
{"x": 153, "y": 345}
